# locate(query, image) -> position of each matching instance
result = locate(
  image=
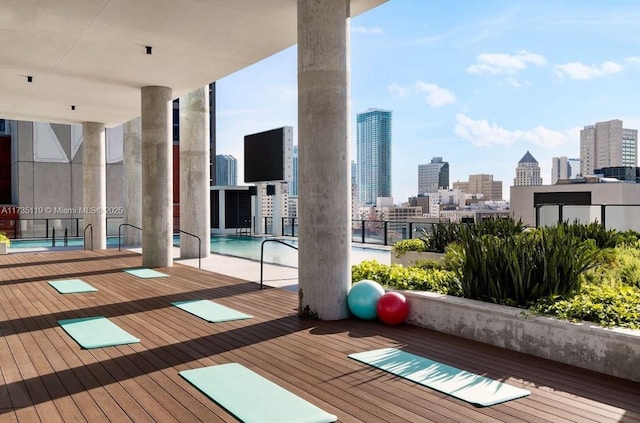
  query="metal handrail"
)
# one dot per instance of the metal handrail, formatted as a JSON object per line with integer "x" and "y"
{"x": 262, "y": 254}
{"x": 119, "y": 233}
{"x": 199, "y": 246}
{"x": 84, "y": 236}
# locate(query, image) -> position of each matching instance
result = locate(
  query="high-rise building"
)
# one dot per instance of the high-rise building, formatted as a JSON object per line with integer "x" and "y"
{"x": 433, "y": 176}
{"x": 226, "y": 173}
{"x": 481, "y": 184}
{"x": 293, "y": 183}
{"x": 527, "y": 172}
{"x": 374, "y": 155}
{"x": 607, "y": 144}
{"x": 560, "y": 169}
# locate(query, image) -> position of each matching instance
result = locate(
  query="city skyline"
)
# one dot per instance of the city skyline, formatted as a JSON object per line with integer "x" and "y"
{"x": 478, "y": 84}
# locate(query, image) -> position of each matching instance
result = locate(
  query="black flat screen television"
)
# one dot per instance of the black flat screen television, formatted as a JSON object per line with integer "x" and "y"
{"x": 264, "y": 154}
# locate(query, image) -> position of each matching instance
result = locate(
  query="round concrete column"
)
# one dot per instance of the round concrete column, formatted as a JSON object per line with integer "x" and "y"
{"x": 132, "y": 193}
{"x": 195, "y": 207}
{"x": 324, "y": 160}
{"x": 94, "y": 184}
{"x": 157, "y": 177}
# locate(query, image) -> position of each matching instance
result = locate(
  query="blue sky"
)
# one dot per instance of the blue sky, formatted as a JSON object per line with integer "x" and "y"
{"x": 476, "y": 82}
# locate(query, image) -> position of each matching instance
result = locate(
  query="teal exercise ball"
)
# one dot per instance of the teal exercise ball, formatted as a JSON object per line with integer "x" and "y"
{"x": 363, "y": 299}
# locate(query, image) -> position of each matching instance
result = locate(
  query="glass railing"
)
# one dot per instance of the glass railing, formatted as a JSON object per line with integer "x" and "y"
{"x": 622, "y": 217}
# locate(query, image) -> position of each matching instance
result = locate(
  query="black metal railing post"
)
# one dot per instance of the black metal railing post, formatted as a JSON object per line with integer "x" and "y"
{"x": 53, "y": 236}
{"x": 66, "y": 237}
{"x": 363, "y": 230}
{"x": 603, "y": 215}
{"x": 46, "y": 227}
{"x": 385, "y": 231}
{"x": 410, "y": 230}
{"x": 293, "y": 226}
{"x": 560, "y": 214}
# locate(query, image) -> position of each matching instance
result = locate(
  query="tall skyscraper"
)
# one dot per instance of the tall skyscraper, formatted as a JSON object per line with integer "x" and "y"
{"x": 607, "y": 144}
{"x": 374, "y": 155}
{"x": 293, "y": 184}
{"x": 226, "y": 173}
{"x": 527, "y": 172}
{"x": 433, "y": 176}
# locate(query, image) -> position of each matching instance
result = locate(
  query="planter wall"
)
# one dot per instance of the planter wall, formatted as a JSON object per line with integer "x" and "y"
{"x": 4, "y": 247}
{"x": 408, "y": 258}
{"x": 611, "y": 351}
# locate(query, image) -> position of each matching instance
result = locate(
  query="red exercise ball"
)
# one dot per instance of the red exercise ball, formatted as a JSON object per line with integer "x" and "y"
{"x": 392, "y": 308}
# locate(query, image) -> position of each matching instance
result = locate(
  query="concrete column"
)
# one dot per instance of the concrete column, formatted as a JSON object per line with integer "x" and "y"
{"x": 195, "y": 205}
{"x": 132, "y": 184}
{"x": 157, "y": 177}
{"x": 94, "y": 184}
{"x": 324, "y": 160}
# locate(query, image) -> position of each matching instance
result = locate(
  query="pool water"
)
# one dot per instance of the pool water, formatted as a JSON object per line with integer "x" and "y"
{"x": 247, "y": 247}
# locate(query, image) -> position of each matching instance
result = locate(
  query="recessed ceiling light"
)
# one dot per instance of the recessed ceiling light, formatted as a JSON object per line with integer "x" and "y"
{"x": 148, "y": 49}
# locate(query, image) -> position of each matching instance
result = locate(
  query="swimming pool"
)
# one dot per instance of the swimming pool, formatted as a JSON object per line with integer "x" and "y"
{"x": 247, "y": 247}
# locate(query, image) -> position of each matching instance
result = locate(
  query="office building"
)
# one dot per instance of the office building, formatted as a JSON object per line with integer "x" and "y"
{"x": 433, "y": 176}
{"x": 226, "y": 170}
{"x": 482, "y": 186}
{"x": 560, "y": 169}
{"x": 607, "y": 144}
{"x": 527, "y": 172}
{"x": 374, "y": 155}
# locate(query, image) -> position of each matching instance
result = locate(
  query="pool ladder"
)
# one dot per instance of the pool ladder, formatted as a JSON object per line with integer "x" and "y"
{"x": 262, "y": 254}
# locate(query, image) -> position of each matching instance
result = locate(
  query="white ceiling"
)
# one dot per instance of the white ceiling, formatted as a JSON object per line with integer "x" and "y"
{"x": 91, "y": 53}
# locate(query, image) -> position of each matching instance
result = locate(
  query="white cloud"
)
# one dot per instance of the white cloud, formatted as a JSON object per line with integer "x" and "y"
{"x": 434, "y": 95}
{"x": 483, "y": 134}
{"x": 496, "y": 64}
{"x": 635, "y": 60}
{"x": 398, "y": 90}
{"x": 376, "y": 30}
{"x": 578, "y": 70}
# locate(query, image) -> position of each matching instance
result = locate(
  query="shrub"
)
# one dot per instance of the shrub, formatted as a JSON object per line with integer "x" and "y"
{"x": 410, "y": 278}
{"x": 608, "y": 304}
{"x": 603, "y": 237}
{"x": 522, "y": 268}
{"x": 416, "y": 244}
{"x": 4, "y": 238}
{"x": 441, "y": 234}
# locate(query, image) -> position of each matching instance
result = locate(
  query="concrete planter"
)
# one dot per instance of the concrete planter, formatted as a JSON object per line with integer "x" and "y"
{"x": 410, "y": 257}
{"x": 4, "y": 247}
{"x": 611, "y": 351}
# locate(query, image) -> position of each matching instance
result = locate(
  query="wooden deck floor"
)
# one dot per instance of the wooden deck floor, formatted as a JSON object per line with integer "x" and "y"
{"x": 47, "y": 377}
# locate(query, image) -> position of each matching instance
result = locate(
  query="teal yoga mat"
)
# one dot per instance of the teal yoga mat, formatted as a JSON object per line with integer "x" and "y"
{"x": 96, "y": 332}
{"x": 146, "y": 273}
{"x": 251, "y": 398}
{"x": 72, "y": 286}
{"x": 461, "y": 384}
{"x": 210, "y": 311}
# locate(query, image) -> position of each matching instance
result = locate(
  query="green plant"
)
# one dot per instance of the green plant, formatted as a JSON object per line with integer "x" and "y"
{"x": 409, "y": 278}
{"x": 4, "y": 238}
{"x": 415, "y": 244}
{"x": 608, "y": 304}
{"x": 522, "y": 268}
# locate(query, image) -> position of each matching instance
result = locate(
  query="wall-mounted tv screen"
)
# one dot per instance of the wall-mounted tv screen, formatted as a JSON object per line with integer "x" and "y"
{"x": 265, "y": 155}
